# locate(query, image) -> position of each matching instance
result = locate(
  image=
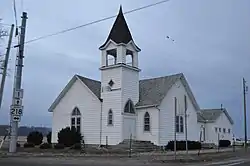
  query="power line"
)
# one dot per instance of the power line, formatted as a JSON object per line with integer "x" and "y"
{"x": 5, "y": 24}
{"x": 93, "y": 22}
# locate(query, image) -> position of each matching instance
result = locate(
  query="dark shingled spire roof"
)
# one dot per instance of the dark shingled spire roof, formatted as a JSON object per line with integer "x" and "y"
{"x": 120, "y": 32}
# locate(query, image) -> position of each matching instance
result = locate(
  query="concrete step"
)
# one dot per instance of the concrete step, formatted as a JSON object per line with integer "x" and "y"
{"x": 136, "y": 146}
{"x": 208, "y": 145}
{"x": 134, "y": 141}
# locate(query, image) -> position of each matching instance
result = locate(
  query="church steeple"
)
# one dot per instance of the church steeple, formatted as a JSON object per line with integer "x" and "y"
{"x": 120, "y": 33}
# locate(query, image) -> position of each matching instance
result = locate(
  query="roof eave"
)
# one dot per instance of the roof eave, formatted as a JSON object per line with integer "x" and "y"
{"x": 62, "y": 93}
{"x": 228, "y": 116}
{"x": 88, "y": 88}
{"x": 146, "y": 106}
{"x": 106, "y": 44}
{"x": 189, "y": 91}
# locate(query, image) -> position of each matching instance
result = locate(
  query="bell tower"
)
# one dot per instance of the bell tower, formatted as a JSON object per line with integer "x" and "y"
{"x": 119, "y": 76}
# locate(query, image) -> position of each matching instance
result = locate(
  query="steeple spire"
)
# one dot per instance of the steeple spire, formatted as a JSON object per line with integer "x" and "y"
{"x": 120, "y": 32}
{"x": 120, "y": 10}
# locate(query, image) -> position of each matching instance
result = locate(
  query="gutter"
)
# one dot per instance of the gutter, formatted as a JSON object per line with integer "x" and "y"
{"x": 101, "y": 123}
{"x": 147, "y": 106}
{"x": 159, "y": 134}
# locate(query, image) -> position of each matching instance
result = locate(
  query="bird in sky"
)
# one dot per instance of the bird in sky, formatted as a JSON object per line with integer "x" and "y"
{"x": 168, "y": 37}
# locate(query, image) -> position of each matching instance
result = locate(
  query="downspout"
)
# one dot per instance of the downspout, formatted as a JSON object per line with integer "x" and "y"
{"x": 204, "y": 135}
{"x": 101, "y": 124}
{"x": 156, "y": 106}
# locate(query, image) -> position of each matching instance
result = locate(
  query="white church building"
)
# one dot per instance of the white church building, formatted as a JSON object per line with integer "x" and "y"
{"x": 121, "y": 106}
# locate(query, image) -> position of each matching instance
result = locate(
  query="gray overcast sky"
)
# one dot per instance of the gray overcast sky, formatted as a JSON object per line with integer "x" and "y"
{"x": 211, "y": 48}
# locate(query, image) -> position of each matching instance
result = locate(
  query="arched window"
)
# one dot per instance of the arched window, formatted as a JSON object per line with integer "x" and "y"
{"x": 129, "y": 107}
{"x": 146, "y": 122}
{"x": 76, "y": 119}
{"x": 111, "y": 57}
{"x": 110, "y": 117}
{"x": 129, "y": 60}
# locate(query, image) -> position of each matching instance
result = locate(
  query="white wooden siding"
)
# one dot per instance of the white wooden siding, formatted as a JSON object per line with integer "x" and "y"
{"x": 111, "y": 73}
{"x": 221, "y": 122}
{"x": 130, "y": 89}
{"x": 130, "y": 85}
{"x": 89, "y": 106}
{"x": 112, "y": 134}
{"x": 153, "y": 134}
{"x": 126, "y": 86}
{"x": 167, "y": 119}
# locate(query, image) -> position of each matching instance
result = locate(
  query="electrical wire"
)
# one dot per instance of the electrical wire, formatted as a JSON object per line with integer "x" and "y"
{"x": 5, "y": 24}
{"x": 93, "y": 22}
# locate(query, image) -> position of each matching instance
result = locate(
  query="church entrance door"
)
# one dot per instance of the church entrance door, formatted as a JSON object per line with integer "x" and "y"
{"x": 129, "y": 127}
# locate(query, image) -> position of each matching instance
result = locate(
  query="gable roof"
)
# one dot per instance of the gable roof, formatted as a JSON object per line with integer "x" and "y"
{"x": 211, "y": 115}
{"x": 120, "y": 32}
{"x": 151, "y": 91}
{"x": 93, "y": 85}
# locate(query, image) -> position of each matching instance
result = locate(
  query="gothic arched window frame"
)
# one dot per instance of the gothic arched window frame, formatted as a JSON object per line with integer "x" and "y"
{"x": 146, "y": 122}
{"x": 129, "y": 107}
{"x": 76, "y": 119}
{"x": 110, "y": 118}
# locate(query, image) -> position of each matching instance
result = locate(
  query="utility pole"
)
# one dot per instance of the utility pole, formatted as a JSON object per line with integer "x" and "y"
{"x": 186, "y": 130}
{"x": 16, "y": 107}
{"x": 245, "y": 112}
{"x": 5, "y": 64}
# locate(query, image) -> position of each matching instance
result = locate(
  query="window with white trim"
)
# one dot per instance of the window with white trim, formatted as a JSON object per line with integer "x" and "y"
{"x": 110, "y": 117}
{"x": 179, "y": 124}
{"x": 146, "y": 122}
{"x": 76, "y": 119}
